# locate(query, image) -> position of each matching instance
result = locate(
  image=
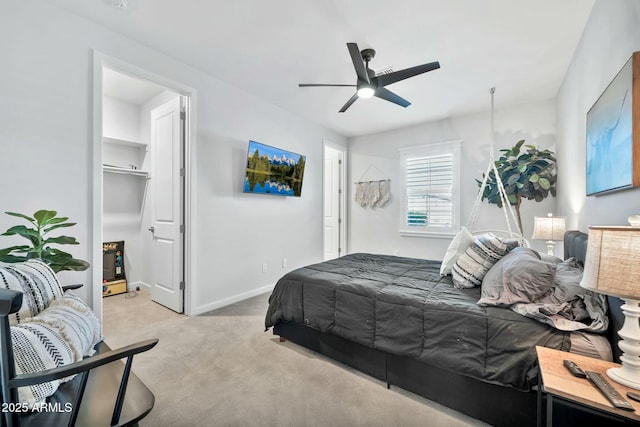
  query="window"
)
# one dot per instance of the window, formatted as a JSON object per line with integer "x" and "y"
{"x": 431, "y": 180}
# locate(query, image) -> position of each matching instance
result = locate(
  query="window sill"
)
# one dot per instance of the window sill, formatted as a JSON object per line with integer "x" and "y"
{"x": 429, "y": 234}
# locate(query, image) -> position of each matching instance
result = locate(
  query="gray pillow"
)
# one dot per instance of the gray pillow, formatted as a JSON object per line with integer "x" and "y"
{"x": 486, "y": 250}
{"x": 569, "y": 272}
{"x": 519, "y": 277}
{"x": 551, "y": 259}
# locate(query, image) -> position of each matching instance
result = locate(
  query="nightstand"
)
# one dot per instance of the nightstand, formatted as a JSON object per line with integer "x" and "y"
{"x": 558, "y": 383}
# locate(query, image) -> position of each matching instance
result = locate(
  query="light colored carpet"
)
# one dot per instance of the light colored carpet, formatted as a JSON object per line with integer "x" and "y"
{"x": 221, "y": 369}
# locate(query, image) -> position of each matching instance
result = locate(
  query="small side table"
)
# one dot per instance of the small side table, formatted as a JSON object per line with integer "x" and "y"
{"x": 558, "y": 382}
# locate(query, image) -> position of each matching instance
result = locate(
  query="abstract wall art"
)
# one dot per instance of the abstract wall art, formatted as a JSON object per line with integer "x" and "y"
{"x": 613, "y": 133}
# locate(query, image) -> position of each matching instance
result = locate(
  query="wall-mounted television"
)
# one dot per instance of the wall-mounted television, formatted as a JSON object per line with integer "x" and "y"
{"x": 274, "y": 171}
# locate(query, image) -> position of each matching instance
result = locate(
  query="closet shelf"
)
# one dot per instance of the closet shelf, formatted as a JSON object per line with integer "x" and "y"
{"x": 125, "y": 171}
{"x": 126, "y": 142}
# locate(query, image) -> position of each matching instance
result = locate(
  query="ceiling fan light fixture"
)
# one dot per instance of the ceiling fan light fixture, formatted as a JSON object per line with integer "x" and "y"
{"x": 371, "y": 84}
{"x": 366, "y": 91}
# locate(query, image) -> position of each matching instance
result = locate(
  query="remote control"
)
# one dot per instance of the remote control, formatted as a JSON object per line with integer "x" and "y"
{"x": 633, "y": 395}
{"x": 574, "y": 369}
{"x": 609, "y": 392}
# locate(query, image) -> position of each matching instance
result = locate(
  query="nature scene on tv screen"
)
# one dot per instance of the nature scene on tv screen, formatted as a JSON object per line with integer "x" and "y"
{"x": 271, "y": 170}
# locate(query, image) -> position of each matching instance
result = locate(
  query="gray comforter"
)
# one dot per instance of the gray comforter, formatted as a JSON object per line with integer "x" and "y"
{"x": 403, "y": 306}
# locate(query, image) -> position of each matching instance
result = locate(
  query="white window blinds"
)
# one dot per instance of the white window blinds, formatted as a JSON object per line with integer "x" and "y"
{"x": 430, "y": 191}
{"x": 431, "y": 181}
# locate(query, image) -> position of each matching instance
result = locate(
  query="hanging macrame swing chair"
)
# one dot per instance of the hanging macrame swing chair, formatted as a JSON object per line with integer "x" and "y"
{"x": 507, "y": 209}
{"x": 466, "y": 235}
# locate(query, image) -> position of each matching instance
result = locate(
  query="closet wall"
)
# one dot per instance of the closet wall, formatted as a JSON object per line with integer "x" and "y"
{"x": 125, "y": 182}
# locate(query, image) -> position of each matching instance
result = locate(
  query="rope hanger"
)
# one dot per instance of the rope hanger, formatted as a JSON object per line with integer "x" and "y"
{"x": 375, "y": 169}
{"x": 506, "y": 206}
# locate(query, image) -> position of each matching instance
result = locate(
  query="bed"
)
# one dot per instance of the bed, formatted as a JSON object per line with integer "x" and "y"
{"x": 398, "y": 320}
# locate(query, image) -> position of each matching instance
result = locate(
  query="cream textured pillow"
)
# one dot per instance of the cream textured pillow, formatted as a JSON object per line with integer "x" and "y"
{"x": 458, "y": 246}
{"x": 77, "y": 324}
{"x": 485, "y": 251}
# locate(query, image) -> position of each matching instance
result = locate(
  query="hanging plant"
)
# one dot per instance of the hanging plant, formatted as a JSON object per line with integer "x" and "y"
{"x": 529, "y": 175}
{"x": 43, "y": 223}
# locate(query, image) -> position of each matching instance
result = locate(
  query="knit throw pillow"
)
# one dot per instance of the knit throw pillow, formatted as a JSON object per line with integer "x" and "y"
{"x": 471, "y": 267}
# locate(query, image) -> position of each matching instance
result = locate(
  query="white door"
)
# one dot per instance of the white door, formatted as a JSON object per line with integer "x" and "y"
{"x": 167, "y": 286}
{"x": 333, "y": 203}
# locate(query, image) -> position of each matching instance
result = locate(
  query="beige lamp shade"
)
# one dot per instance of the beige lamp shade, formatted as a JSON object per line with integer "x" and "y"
{"x": 612, "y": 267}
{"x": 549, "y": 227}
{"x": 612, "y": 264}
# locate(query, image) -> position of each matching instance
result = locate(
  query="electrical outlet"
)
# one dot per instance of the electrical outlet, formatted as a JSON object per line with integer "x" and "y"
{"x": 284, "y": 263}
{"x": 396, "y": 253}
{"x": 264, "y": 267}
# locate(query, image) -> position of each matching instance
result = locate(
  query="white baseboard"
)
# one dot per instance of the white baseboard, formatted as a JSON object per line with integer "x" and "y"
{"x": 132, "y": 286}
{"x": 236, "y": 298}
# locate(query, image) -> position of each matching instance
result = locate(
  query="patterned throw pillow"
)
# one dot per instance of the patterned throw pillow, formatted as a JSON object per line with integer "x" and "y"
{"x": 37, "y": 282}
{"x": 37, "y": 347}
{"x": 32, "y": 302}
{"x": 62, "y": 334}
{"x": 485, "y": 251}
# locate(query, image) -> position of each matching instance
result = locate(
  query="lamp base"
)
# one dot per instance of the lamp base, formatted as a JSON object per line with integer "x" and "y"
{"x": 627, "y": 377}
{"x": 550, "y": 246}
{"x": 629, "y": 373}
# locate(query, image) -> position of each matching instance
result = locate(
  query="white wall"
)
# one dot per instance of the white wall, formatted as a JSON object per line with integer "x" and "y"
{"x": 46, "y": 133}
{"x": 611, "y": 35}
{"x": 376, "y": 230}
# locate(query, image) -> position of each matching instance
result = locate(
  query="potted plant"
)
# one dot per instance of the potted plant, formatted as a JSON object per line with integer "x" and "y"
{"x": 42, "y": 223}
{"x": 530, "y": 175}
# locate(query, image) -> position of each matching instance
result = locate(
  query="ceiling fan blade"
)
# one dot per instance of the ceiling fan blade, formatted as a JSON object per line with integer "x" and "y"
{"x": 349, "y": 102}
{"x": 387, "y": 79}
{"x": 322, "y": 85}
{"x": 387, "y": 95}
{"x": 358, "y": 63}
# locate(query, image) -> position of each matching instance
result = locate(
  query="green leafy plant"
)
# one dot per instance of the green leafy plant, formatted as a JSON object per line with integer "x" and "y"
{"x": 43, "y": 223}
{"x": 528, "y": 175}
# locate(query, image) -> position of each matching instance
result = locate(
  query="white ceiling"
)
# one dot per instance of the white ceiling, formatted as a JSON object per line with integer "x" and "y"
{"x": 522, "y": 47}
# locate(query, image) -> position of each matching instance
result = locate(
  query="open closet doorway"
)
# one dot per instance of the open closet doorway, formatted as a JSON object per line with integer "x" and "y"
{"x": 335, "y": 225}
{"x": 144, "y": 141}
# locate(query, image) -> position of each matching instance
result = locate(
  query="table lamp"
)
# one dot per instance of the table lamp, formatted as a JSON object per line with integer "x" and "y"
{"x": 549, "y": 228}
{"x": 612, "y": 267}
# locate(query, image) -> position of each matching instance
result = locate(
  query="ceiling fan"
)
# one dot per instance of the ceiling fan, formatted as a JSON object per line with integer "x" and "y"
{"x": 368, "y": 84}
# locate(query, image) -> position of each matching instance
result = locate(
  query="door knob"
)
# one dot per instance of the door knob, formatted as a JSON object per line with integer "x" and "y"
{"x": 152, "y": 229}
